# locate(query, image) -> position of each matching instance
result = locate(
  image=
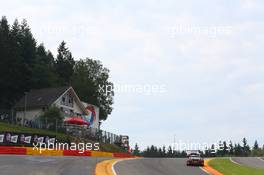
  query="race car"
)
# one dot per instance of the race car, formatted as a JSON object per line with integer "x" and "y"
{"x": 195, "y": 160}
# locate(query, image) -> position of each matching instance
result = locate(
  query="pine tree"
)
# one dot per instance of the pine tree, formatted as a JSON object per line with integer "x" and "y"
{"x": 170, "y": 152}
{"x": 64, "y": 64}
{"x": 231, "y": 148}
{"x": 24, "y": 48}
{"x": 256, "y": 151}
{"x": 183, "y": 154}
{"x": 147, "y": 152}
{"x": 225, "y": 148}
{"x": 221, "y": 149}
{"x": 238, "y": 150}
{"x": 5, "y": 52}
{"x": 43, "y": 75}
{"x": 136, "y": 151}
{"x": 246, "y": 148}
{"x": 28, "y": 44}
{"x": 164, "y": 152}
{"x": 213, "y": 150}
{"x": 207, "y": 152}
{"x": 12, "y": 68}
{"x": 256, "y": 146}
{"x": 160, "y": 152}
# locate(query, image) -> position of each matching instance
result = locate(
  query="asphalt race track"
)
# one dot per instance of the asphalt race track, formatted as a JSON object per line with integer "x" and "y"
{"x": 67, "y": 165}
{"x": 48, "y": 165}
{"x": 156, "y": 166}
{"x": 249, "y": 161}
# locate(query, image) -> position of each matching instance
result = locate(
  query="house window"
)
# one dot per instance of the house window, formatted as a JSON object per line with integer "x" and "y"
{"x": 63, "y": 100}
{"x": 71, "y": 111}
{"x": 70, "y": 101}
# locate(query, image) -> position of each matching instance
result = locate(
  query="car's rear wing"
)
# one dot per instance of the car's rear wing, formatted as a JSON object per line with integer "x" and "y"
{"x": 193, "y": 152}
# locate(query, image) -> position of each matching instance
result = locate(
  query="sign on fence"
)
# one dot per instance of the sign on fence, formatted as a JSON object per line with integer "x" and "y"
{"x": 12, "y": 138}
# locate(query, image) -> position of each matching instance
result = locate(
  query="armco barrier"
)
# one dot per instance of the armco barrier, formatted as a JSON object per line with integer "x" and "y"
{"x": 101, "y": 154}
{"x": 35, "y": 152}
{"x": 76, "y": 153}
{"x": 31, "y": 151}
{"x": 122, "y": 155}
{"x": 12, "y": 150}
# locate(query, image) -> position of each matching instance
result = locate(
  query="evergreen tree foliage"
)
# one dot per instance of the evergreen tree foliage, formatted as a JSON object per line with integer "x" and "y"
{"x": 25, "y": 65}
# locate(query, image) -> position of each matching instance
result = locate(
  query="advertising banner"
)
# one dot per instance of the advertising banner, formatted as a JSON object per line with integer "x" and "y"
{"x": 12, "y": 138}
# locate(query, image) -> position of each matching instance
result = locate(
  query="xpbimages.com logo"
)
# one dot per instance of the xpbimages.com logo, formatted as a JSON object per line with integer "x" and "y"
{"x": 80, "y": 147}
{"x": 213, "y": 147}
{"x": 145, "y": 89}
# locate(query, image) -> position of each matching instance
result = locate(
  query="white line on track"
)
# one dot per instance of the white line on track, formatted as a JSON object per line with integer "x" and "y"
{"x": 234, "y": 161}
{"x": 260, "y": 158}
{"x": 204, "y": 170}
{"x": 114, "y": 172}
{"x": 113, "y": 166}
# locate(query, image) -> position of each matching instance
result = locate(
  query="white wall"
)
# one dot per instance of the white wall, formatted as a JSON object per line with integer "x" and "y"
{"x": 76, "y": 109}
{"x": 30, "y": 114}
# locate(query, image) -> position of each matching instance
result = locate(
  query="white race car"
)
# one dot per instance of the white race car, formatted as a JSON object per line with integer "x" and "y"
{"x": 195, "y": 160}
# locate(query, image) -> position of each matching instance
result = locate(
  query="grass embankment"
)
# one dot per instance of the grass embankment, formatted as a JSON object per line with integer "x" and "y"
{"x": 226, "y": 167}
{"x": 4, "y": 127}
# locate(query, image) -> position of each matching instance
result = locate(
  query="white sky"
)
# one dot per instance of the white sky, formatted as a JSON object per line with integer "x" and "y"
{"x": 206, "y": 55}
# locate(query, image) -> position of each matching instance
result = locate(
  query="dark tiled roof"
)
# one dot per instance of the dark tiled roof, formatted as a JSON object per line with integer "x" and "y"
{"x": 37, "y": 98}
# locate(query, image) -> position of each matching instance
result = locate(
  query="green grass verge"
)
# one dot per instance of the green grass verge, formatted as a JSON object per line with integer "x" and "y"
{"x": 226, "y": 167}
{"x": 4, "y": 127}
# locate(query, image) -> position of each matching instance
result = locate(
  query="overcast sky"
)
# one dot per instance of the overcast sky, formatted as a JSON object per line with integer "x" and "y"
{"x": 203, "y": 59}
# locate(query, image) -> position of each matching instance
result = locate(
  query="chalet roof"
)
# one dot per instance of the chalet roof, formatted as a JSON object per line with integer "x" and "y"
{"x": 37, "y": 98}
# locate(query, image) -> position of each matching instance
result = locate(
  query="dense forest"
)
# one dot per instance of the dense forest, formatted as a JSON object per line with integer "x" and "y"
{"x": 223, "y": 149}
{"x": 25, "y": 65}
